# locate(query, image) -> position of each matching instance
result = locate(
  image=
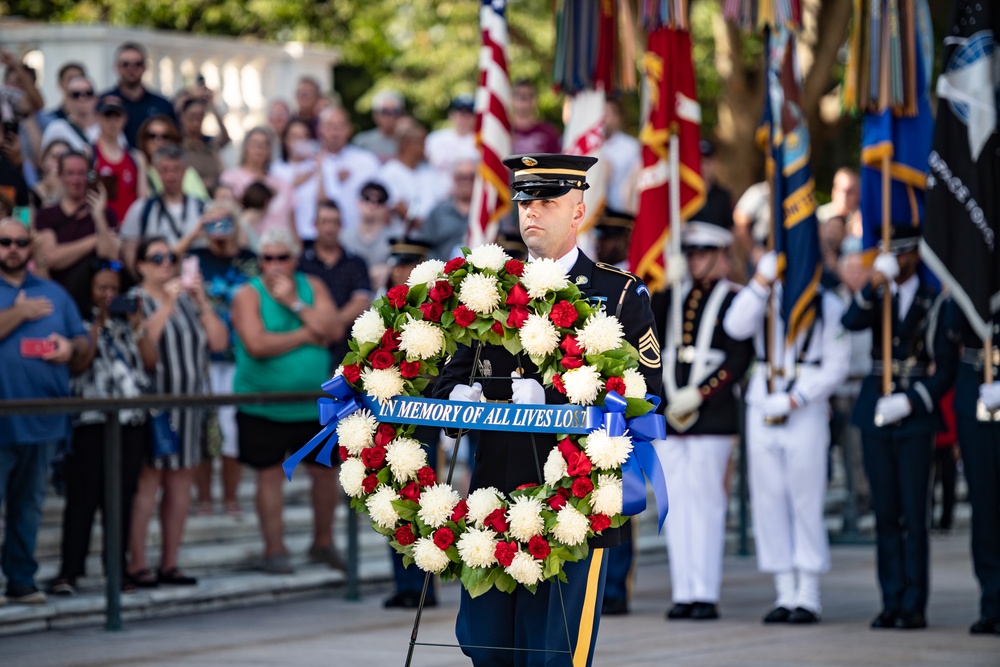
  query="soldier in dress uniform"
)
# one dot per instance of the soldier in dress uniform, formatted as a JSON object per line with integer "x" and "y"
{"x": 788, "y": 434}
{"x": 513, "y": 245}
{"x": 898, "y": 431}
{"x": 549, "y": 197}
{"x": 613, "y": 233}
{"x": 701, "y": 368}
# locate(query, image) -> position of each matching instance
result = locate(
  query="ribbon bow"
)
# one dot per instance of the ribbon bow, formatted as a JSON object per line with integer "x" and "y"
{"x": 345, "y": 401}
{"x": 642, "y": 460}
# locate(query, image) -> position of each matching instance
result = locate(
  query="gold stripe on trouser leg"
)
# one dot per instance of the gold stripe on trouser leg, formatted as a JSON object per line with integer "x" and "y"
{"x": 586, "y": 628}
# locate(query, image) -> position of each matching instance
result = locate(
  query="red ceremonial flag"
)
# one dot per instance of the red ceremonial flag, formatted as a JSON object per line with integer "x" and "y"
{"x": 673, "y": 109}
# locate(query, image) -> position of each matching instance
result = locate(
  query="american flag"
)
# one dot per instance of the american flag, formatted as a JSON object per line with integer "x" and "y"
{"x": 491, "y": 197}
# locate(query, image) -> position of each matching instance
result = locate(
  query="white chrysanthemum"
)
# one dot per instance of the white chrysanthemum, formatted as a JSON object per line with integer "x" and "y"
{"x": 601, "y": 333}
{"x": 380, "y": 507}
{"x": 479, "y": 292}
{"x": 369, "y": 327}
{"x": 483, "y": 501}
{"x": 426, "y": 273}
{"x": 539, "y": 336}
{"x": 352, "y": 475}
{"x": 428, "y": 557}
{"x": 437, "y": 503}
{"x": 605, "y": 451}
{"x": 405, "y": 457}
{"x": 542, "y": 276}
{"x": 582, "y": 385}
{"x": 525, "y": 517}
{"x": 555, "y": 467}
{"x": 421, "y": 340}
{"x": 635, "y": 383}
{"x": 383, "y": 383}
{"x": 488, "y": 256}
{"x": 477, "y": 547}
{"x": 357, "y": 431}
{"x": 571, "y": 526}
{"x": 525, "y": 569}
{"x": 606, "y": 498}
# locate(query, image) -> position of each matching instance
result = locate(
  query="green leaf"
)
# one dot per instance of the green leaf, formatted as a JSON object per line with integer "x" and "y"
{"x": 350, "y": 358}
{"x": 366, "y": 349}
{"x": 417, "y": 295}
{"x": 513, "y": 345}
{"x": 637, "y": 407}
{"x": 407, "y": 509}
{"x": 447, "y": 319}
{"x": 504, "y": 582}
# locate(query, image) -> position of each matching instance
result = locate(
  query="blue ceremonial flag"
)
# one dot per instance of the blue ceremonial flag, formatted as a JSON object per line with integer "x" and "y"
{"x": 785, "y": 137}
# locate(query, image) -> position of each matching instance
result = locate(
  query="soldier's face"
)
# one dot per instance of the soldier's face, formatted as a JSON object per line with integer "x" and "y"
{"x": 548, "y": 226}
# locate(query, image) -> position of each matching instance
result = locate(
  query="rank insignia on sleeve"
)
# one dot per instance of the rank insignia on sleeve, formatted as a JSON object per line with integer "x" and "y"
{"x": 649, "y": 350}
{"x": 641, "y": 289}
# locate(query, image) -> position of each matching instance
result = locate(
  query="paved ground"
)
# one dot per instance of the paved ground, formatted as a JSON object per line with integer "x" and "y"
{"x": 332, "y": 631}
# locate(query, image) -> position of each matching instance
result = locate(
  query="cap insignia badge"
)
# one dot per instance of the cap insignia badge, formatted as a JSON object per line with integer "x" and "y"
{"x": 529, "y": 161}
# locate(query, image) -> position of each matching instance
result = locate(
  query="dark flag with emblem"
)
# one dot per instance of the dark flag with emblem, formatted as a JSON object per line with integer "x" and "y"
{"x": 963, "y": 197}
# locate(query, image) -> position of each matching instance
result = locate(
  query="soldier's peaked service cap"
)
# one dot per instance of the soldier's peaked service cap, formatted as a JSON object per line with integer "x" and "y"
{"x": 548, "y": 175}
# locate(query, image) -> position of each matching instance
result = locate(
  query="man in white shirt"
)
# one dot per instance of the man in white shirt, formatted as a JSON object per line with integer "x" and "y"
{"x": 448, "y": 146}
{"x": 623, "y": 155}
{"x": 344, "y": 168}
{"x": 414, "y": 187}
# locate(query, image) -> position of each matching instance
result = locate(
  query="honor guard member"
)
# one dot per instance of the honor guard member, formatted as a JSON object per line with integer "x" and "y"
{"x": 549, "y": 197}
{"x": 613, "y": 233}
{"x": 702, "y": 367}
{"x": 898, "y": 431}
{"x": 788, "y": 434}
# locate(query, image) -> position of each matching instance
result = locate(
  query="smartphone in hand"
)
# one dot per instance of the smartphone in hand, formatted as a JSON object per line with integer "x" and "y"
{"x": 36, "y": 348}
{"x": 190, "y": 270}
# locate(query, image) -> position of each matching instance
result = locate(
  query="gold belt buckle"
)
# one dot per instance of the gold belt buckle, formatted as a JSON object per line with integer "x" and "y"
{"x": 775, "y": 421}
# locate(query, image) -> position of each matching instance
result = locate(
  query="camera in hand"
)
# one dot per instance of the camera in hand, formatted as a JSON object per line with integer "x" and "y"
{"x": 220, "y": 227}
{"x": 123, "y": 306}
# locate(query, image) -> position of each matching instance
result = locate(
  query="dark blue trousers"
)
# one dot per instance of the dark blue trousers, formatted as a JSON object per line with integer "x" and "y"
{"x": 411, "y": 579}
{"x": 620, "y": 559}
{"x": 535, "y": 621}
{"x": 899, "y": 473}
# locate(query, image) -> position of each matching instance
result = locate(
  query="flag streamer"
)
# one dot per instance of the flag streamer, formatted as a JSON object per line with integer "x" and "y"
{"x": 760, "y": 14}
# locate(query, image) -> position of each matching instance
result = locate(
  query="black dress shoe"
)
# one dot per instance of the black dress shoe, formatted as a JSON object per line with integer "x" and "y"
{"x": 614, "y": 607}
{"x": 408, "y": 600}
{"x": 887, "y": 619}
{"x": 910, "y": 620}
{"x": 704, "y": 611}
{"x": 802, "y": 616}
{"x": 778, "y": 615}
{"x": 986, "y": 626}
{"x": 680, "y": 610}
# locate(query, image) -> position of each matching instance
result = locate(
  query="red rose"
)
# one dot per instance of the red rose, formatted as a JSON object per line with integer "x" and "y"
{"x": 558, "y": 383}
{"x": 567, "y": 448}
{"x": 497, "y": 521}
{"x": 390, "y": 340}
{"x": 582, "y": 486}
{"x": 397, "y": 296}
{"x": 460, "y": 511}
{"x": 505, "y": 552}
{"x": 432, "y": 311}
{"x": 442, "y": 290}
{"x": 344, "y": 454}
{"x": 412, "y": 492}
{"x": 454, "y": 265}
{"x": 529, "y": 485}
{"x": 569, "y": 363}
{"x": 352, "y": 373}
{"x": 616, "y": 384}
{"x": 426, "y": 476}
{"x": 514, "y": 267}
{"x": 444, "y": 538}
{"x": 464, "y": 316}
{"x": 563, "y": 314}
{"x": 380, "y": 358}
{"x": 404, "y": 535}
{"x": 558, "y": 501}
{"x": 409, "y": 369}
{"x": 538, "y": 547}
{"x": 496, "y": 328}
{"x": 570, "y": 345}
{"x": 518, "y": 296}
{"x": 384, "y": 434}
{"x": 373, "y": 457}
{"x": 369, "y": 483}
{"x": 599, "y": 522}
{"x": 518, "y": 315}
{"x": 578, "y": 464}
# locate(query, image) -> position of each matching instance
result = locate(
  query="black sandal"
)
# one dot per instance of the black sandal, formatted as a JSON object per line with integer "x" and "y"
{"x": 175, "y": 577}
{"x": 143, "y": 578}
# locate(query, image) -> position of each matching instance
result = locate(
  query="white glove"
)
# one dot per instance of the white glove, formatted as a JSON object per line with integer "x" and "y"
{"x": 463, "y": 392}
{"x": 891, "y": 409}
{"x": 990, "y": 393}
{"x": 526, "y": 392}
{"x": 685, "y": 401}
{"x": 677, "y": 268}
{"x": 767, "y": 269}
{"x": 778, "y": 404}
{"x": 887, "y": 264}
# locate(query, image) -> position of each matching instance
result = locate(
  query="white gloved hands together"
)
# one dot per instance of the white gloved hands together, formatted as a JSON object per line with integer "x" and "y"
{"x": 526, "y": 391}
{"x": 778, "y": 404}
{"x": 891, "y": 409}
{"x": 677, "y": 268}
{"x": 887, "y": 264}
{"x": 684, "y": 402}
{"x": 990, "y": 394}
{"x": 463, "y": 392}
{"x": 767, "y": 268}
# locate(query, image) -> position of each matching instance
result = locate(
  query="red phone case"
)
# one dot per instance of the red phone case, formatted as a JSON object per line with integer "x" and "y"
{"x": 36, "y": 347}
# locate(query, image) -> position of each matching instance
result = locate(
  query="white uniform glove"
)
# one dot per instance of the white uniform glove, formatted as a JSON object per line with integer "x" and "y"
{"x": 677, "y": 268}
{"x": 778, "y": 404}
{"x": 463, "y": 392}
{"x": 990, "y": 393}
{"x": 887, "y": 264}
{"x": 891, "y": 409}
{"x": 767, "y": 267}
{"x": 526, "y": 392}
{"x": 684, "y": 402}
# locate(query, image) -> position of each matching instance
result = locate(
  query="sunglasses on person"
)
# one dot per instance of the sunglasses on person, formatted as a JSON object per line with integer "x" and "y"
{"x": 375, "y": 199}
{"x": 7, "y": 242}
{"x": 275, "y": 258}
{"x": 131, "y": 64}
{"x": 155, "y": 135}
{"x": 159, "y": 258}
{"x": 81, "y": 94}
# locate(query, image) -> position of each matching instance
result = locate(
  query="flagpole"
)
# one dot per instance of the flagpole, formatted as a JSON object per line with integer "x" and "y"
{"x": 769, "y": 318}
{"x": 887, "y": 293}
{"x": 675, "y": 233}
